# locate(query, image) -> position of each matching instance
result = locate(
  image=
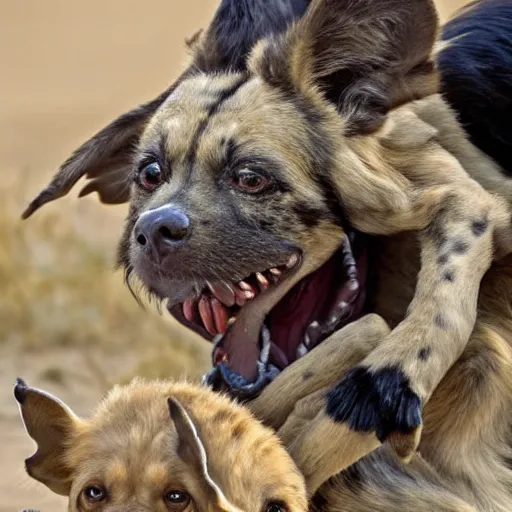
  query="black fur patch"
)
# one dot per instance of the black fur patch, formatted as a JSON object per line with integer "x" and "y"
{"x": 309, "y": 216}
{"x": 460, "y": 247}
{"x": 238, "y": 25}
{"x": 20, "y": 390}
{"x": 424, "y": 353}
{"x": 443, "y": 259}
{"x": 476, "y": 75}
{"x": 479, "y": 227}
{"x": 440, "y": 321}
{"x": 214, "y": 107}
{"x": 449, "y": 276}
{"x": 435, "y": 230}
{"x": 379, "y": 401}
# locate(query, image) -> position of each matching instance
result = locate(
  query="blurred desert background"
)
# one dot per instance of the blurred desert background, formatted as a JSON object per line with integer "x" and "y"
{"x": 67, "y": 322}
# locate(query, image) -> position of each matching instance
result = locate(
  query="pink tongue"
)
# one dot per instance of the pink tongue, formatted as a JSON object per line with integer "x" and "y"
{"x": 291, "y": 316}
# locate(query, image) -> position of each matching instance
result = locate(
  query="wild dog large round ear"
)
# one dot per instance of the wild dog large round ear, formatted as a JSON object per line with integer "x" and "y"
{"x": 50, "y": 423}
{"x": 367, "y": 56}
{"x": 105, "y": 159}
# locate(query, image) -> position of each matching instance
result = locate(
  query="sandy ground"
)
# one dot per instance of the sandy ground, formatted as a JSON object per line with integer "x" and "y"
{"x": 67, "y": 68}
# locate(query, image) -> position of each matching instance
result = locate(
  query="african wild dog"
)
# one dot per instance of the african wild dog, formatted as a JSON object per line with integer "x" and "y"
{"x": 252, "y": 182}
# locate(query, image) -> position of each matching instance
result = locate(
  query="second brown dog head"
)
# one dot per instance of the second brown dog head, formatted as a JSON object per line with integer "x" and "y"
{"x": 158, "y": 447}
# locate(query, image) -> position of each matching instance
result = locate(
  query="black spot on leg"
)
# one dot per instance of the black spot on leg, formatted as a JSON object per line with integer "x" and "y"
{"x": 438, "y": 235}
{"x": 307, "y": 376}
{"x": 479, "y": 227}
{"x": 443, "y": 259}
{"x": 435, "y": 230}
{"x": 449, "y": 276}
{"x": 424, "y": 353}
{"x": 440, "y": 321}
{"x": 460, "y": 247}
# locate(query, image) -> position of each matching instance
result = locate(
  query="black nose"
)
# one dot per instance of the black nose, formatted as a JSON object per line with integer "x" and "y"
{"x": 161, "y": 228}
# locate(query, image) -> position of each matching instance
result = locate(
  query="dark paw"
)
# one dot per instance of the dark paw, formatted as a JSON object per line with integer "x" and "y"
{"x": 379, "y": 401}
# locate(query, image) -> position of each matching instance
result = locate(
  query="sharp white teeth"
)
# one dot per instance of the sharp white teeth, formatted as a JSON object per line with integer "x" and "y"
{"x": 294, "y": 259}
{"x": 301, "y": 350}
{"x": 314, "y": 324}
{"x": 275, "y": 271}
{"x": 244, "y": 286}
{"x": 262, "y": 280}
{"x": 307, "y": 340}
{"x": 231, "y": 321}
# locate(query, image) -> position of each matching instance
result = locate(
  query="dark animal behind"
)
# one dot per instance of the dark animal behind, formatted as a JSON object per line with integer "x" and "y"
{"x": 476, "y": 75}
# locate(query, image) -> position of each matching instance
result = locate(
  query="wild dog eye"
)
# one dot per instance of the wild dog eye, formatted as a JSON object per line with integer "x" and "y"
{"x": 276, "y": 506}
{"x": 249, "y": 181}
{"x": 150, "y": 176}
{"x": 177, "y": 500}
{"x": 95, "y": 493}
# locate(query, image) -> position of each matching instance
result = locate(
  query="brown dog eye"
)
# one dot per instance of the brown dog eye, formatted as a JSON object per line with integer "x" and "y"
{"x": 95, "y": 493}
{"x": 151, "y": 176}
{"x": 177, "y": 500}
{"x": 276, "y": 507}
{"x": 250, "y": 181}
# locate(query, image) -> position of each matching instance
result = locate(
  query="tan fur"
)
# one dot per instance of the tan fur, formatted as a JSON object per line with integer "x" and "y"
{"x": 403, "y": 171}
{"x": 132, "y": 449}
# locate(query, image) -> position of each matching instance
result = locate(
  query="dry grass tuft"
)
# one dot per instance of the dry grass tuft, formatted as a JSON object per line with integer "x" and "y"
{"x": 59, "y": 289}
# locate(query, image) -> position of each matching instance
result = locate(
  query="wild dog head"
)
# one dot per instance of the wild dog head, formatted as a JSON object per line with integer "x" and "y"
{"x": 159, "y": 447}
{"x": 245, "y": 176}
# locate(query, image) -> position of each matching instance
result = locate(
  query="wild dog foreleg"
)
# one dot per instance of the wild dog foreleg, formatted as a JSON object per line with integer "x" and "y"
{"x": 385, "y": 393}
{"x": 294, "y": 403}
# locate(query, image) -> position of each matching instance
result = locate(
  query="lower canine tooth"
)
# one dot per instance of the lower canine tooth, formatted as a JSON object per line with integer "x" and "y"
{"x": 301, "y": 350}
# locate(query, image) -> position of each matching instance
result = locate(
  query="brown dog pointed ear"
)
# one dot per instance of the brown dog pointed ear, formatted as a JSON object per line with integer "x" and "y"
{"x": 51, "y": 424}
{"x": 192, "y": 451}
{"x": 190, "y": 447}
{"x": 366, "y": 56}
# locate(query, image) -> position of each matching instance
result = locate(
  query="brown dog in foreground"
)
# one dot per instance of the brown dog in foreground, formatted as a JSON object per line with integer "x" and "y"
{"x": 251, "y": 182}
{"x": 162, "y": 446}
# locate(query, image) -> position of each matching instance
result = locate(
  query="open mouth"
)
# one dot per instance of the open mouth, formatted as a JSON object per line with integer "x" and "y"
{"x": 319, "y": 304}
